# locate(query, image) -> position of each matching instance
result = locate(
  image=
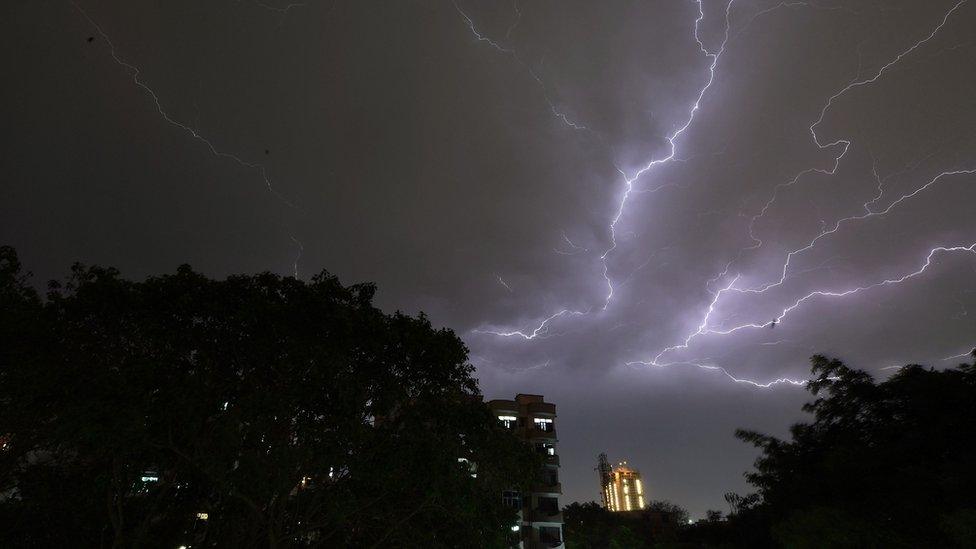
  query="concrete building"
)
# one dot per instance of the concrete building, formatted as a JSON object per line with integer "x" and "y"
{"x": 621, "y": 486}
{"x": 533, "y": 420}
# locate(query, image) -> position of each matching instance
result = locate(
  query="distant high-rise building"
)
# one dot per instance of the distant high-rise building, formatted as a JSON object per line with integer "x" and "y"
{"x": 621, "y": 486}
{"x": 533, "y": 420}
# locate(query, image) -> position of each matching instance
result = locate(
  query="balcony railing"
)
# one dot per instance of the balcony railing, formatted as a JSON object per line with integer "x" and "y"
{"x": 541, "y": 487}
{"x": 536, "y": 515}
{"x": 532, "y": 432}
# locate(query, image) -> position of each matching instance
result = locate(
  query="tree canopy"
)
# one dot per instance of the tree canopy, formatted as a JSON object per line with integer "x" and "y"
{"x": 887, "y": 464}
{"x": 252, "y": 411}
{"x": 591, "y": 526}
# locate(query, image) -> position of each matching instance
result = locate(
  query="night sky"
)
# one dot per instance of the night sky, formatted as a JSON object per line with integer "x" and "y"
{"x": 609, "y": 203}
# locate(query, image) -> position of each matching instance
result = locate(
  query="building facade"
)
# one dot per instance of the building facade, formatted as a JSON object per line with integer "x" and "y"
{"x": 622, "y": 487}
{"x": 533, "y": 420}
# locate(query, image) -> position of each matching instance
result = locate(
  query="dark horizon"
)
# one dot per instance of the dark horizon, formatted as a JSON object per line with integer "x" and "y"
{"x": 653, "y": 227}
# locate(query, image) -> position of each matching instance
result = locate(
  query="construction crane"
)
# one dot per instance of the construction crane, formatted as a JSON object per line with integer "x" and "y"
{"x": 604, "y": 470}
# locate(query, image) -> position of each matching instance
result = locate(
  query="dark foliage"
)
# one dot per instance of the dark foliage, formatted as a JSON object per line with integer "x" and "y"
{"x": 287, "y": 413}
{"x": 882, "y": 465}
{"x": 590, "y": 526}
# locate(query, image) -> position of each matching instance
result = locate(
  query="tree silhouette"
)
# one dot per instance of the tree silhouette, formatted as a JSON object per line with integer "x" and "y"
{"x": 256, "y": 410}
{"x": 885, "y": 464}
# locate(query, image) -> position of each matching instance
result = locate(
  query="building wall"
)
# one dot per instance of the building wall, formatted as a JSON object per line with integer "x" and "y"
{"x": 533, "y": 420}
{"x": 625, "y": 491}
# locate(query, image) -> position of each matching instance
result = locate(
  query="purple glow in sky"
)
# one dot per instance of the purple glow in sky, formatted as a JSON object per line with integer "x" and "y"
{"x": 650, "y": 212}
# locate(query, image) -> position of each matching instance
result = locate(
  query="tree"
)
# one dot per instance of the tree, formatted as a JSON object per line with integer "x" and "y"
{"x": 256, "y": 410}
{"x": 885, "y": 464}
{"x": 589, "y": 525}
{"x": 677, "y": 513}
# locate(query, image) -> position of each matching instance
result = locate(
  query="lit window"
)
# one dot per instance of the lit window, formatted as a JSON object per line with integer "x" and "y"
{"x": 150, "y": 478}
{"x": 516, "y": 528}
{"x": 472, "y": 467}
{"x": 203, "y": 516}
{"x": 543, "y": 423}
{"x": 508, "y": 421}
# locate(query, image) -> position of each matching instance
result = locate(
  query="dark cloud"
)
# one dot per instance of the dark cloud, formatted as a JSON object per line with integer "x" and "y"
{"x": 477, "y": 180}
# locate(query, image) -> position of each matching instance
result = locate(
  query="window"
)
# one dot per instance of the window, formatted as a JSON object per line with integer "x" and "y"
{"x": 508, "y": 421}
{"x": 550, "y": 534}
{"x": 549, "y": 506}
{"x": 545, "y": 448}
{"x": 543, "y": 424}
{"x": 552, "y": 477}
{"x": 512, "y": 499}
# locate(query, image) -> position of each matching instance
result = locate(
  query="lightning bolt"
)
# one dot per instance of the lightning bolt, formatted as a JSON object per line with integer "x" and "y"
{"x": 629, "y": 181}
{"x": 279, "y": 10}
{"x": 505, "y": 284}
{"x": 135, "y": 72}
{"x": 789, "y": 5}
{"x": 518, "y": 19}
{"x": 843, "y": 146}
{"x": 559, "y": 115}
{"x": 574, "y": 249}
{"x": 726, "y": 373}
{"x": 672, "y": 148}
{"x": 869, "y": 213}
{"x": 703, "y": 328}
{"x": 539, "y": 332}
{"x": 966, "y": 354}
{"x": 847, "y": 220}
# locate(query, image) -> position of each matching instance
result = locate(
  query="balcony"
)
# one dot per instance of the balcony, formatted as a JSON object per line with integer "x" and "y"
{"x": 536, "y": 515}
{"x": 549, "y": 541}
{"x": 545, "y": 488}
{"x": 544, "y": 543}
{"x": 551, "y": 460}
{"x": 535, "y": 433}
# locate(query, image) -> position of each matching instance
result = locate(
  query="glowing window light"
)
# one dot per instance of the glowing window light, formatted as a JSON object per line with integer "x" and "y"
{"x": 203, "y": 516}
{"x": 543, "y": 423}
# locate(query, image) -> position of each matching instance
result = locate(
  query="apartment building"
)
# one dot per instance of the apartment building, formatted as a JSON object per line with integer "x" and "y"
{"x": 533, "y": 420}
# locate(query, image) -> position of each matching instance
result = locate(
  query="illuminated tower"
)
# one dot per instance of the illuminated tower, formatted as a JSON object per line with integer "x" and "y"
{"x": 625, "y": 491}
